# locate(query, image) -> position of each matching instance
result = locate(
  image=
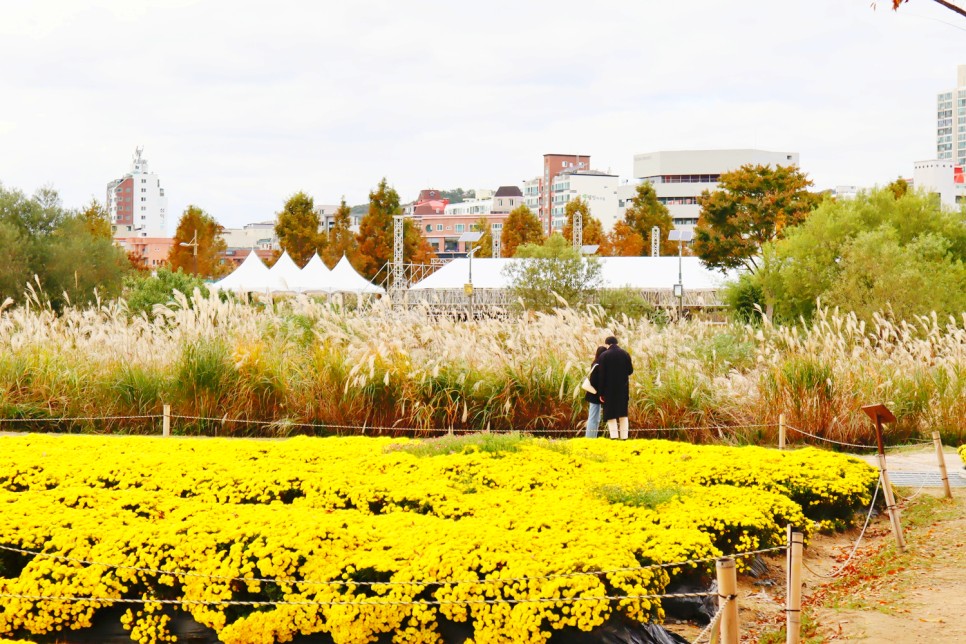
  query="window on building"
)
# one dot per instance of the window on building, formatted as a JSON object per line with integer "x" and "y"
{"x": 459, "y": 228}
{"x": 439, "y": 227}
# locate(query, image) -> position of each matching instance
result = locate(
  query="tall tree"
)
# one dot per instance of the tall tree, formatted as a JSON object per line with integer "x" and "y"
{"x": 207, "y": 263}
{"x": 341, "y": 240}
{"x": 82, "y": 261}
{"x": 376, "y": 235}
{"x": 14, "y": 262}
{"x": 297, "y": 228}
{"x": 623, "y": 241}
{"x": 824, "y": 257}
{"x": 644, "y": 213}
{"x": 592, "y": 231}
{"x": 520, "y": 227}
{"x": 753, "y": 205}
{"x": 96, "y": 219}
{"x": 551, "y": 271}
{"x": 28, "y": 224}
{"x": 899, "y": 188}
{"x": 485, "y": 244}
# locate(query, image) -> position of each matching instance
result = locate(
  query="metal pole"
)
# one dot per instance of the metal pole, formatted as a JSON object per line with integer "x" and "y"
{"x": 680, "y": 280}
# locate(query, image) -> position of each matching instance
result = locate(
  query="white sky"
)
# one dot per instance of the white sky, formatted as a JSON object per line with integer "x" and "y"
{"x": 239, "y": 104}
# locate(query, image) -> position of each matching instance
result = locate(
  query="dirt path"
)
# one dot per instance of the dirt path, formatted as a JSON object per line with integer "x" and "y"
{"x": 882, "y": 596}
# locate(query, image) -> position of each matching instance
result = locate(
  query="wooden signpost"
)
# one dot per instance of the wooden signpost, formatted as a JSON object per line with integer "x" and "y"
{"x": 881, "y": 414}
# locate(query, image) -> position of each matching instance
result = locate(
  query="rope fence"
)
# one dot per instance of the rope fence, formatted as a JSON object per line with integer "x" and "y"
{"x": 366, "y": 429}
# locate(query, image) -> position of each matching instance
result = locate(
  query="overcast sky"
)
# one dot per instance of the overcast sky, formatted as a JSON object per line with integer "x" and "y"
{"x": 240, "y": 104}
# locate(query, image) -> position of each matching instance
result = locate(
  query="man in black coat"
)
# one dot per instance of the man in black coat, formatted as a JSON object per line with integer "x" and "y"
{"x": 615, "y": 369}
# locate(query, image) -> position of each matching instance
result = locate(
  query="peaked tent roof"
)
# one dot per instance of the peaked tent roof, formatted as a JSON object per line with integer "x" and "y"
{"x": 287, "y": 272}
{"x": 316, "y": 276}
{"x": 251, "y": 276}
{"x": 345, "y": 279}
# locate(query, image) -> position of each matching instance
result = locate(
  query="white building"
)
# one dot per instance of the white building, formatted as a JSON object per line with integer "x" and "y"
{"x": 136, "y": 203}
{"x": 941, "y": 178}
{"x": 598, "y": 189}
{"x": 680, "y": 176}
{"x": 951, "y": 121}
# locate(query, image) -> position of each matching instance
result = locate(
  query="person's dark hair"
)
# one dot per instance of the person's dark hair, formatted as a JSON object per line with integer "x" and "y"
{"x": 610, "y": 340}
{"x": 600, "y": 350}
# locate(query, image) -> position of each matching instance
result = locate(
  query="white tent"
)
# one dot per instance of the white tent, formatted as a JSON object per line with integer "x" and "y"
{"x": 251, "y": 276}
{"x": 316, "y": 277}
{"x": 287, "y": 273}
{"x": 644, "y": 273}
{"x": 345, "y": 279}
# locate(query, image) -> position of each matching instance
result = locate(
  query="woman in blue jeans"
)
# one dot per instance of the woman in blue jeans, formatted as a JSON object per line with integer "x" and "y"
{"x": 593, "y": 400}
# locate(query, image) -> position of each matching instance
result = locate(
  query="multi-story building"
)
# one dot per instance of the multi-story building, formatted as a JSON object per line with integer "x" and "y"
{"x": 680, "y": 176}
{"x": 259, "y": 236}
{"x": 539, "y": 191}
{"x": 597, "y": 189}
{"x": 443, "y": 229}
{"x": 136, "y": 203}
{"x": 951, "y": 122}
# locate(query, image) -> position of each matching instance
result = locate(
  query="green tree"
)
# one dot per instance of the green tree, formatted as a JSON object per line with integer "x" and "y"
{"x": 520, "y": 227}
{"x": 753, "y": 205}
{"x": 593, "y": 230}
{"x": 96, "y": 220}
{"x": 814, "y": 256}
{"x": 26, "y": 227}
{"x": 879, "y": 274}
{"x": 297, "y": 228}
{"x": 341, "y": 240}
{"x": 81, "y": 263}
{"x": 376, "y": 236}
{"x": 195, "y": 221}
{"x": 645, "y": 212}
{"x": 14, "y": 262}
{"x": 553, "y": 273}
{"x": 144, "y": 291}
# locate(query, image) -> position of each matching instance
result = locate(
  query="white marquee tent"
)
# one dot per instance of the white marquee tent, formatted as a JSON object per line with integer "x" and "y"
{"x": 287, "y": 272}
{"x": 285, "y": 276}
{"x": 347, "y": 280}
{"x": 316, "y": 276}
{"x": 251, "y": 276}
{"x": 644, "y": 273}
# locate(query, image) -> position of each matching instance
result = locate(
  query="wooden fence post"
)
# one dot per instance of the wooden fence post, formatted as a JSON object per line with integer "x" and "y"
{"x": 166, "y": 421}
{"x": 781, "y": 431}
{"x": 728, "y": 590}
{"x": 891, "y": 504}
{"x": 937, "y": 440}
{"x": 793, "y": 594}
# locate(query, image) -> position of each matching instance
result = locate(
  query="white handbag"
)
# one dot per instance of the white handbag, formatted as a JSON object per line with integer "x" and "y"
{"x": 585, "y": 385}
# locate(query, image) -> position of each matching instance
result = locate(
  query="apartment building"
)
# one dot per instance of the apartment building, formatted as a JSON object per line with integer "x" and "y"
{"x": 597, "y": 189}
{"x": 136, "y": 203}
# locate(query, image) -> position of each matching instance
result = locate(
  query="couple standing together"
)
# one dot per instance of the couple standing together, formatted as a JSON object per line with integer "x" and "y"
{"x": 609, "y": 376}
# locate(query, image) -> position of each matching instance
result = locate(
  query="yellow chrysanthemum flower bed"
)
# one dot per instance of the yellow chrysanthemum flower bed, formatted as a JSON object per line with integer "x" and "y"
{"x": 357, "y": 537}
{"x": 962, "y": 453}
